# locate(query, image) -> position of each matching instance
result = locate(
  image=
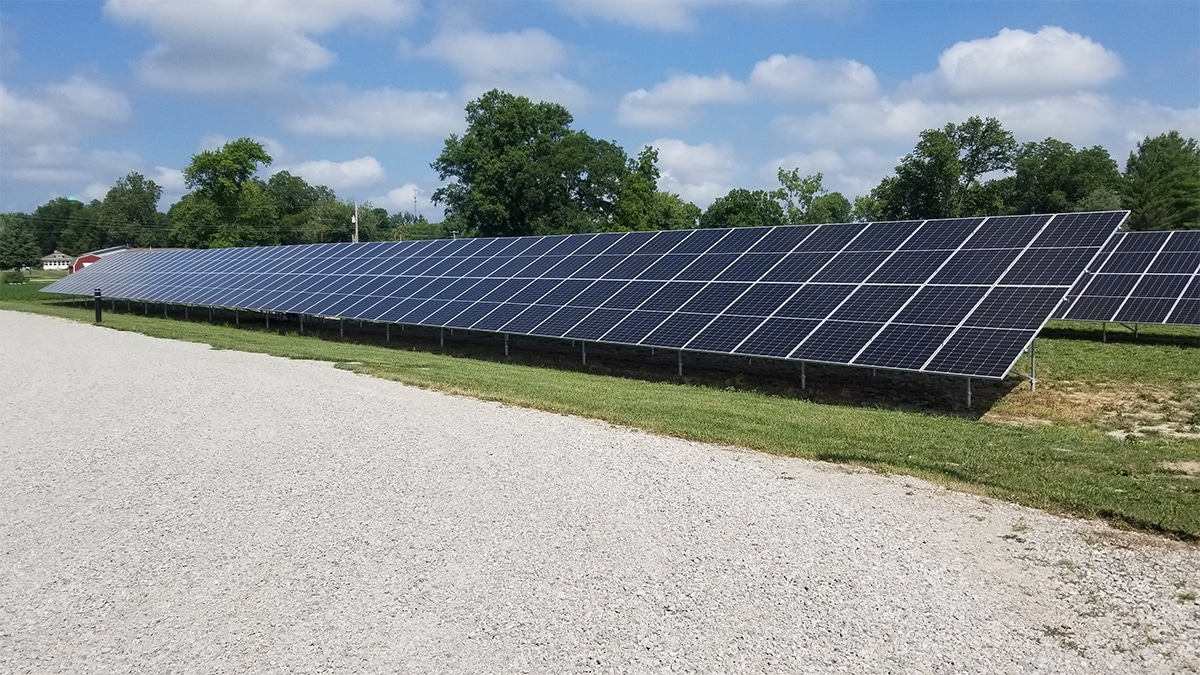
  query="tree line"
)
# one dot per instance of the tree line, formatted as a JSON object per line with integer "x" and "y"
{"x": 521, "y": 169}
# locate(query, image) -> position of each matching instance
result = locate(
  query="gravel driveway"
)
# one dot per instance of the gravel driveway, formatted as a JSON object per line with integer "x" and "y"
{"x": 170, "y": 508}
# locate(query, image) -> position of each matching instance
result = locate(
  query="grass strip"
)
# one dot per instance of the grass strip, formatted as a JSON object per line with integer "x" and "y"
{"x": 1063, "y": 469}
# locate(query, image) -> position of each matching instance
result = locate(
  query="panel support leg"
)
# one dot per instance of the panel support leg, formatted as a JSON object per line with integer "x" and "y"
{"x": 442, "y": 338}
{"x": 506, "y": 344}
{"x": 210, "y": 314}
{"x": 583, "y": 351}
{"x": 185, "y": 313}
{"x": 268, "y": 317}
{"x": 681, "y": 363}
{"x": 145, "y": 309}
{"x": 1033, "y": 365}
{"x": 237, "y": 318}
{"x": 302, "y": 324}
{"x": 341, "y": 328}
{"x": 968, "y": 393}
{"x": 1104, "y": 332}
{"x": 803, "y": 378}
{"x": 387, "y": 332}
{"x": 164, "y": 310}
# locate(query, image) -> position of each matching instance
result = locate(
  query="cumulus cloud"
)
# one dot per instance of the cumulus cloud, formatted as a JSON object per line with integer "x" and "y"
{"x": 1020, "y": 63}
{"x": 379, "y": 113}
{"x": 351, "y": 174}
{"x": 697, "y": 173}
{"x": 667, "y": 15}
{"x": 407, "y": 197}
{"x": 217, "y": 46}
{"x": 478, "y": 55}
{"x": 63, "y": 110}
{"x": 673, "y": 102}
{"x": 798, "y": 78}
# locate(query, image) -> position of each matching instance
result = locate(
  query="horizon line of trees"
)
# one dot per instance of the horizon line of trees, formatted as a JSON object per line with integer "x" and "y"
{"x": 520, "y": 169}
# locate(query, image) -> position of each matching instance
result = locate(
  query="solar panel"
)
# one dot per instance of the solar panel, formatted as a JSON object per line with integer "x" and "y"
{"x": 956, "y": 296}
{"x": 1141, "y": 277}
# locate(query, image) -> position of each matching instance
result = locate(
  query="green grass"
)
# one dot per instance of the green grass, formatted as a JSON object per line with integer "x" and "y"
{"x": 1067, "y": 468}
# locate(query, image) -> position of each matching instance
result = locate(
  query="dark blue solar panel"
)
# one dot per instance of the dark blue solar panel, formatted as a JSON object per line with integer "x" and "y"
{"x": 1142, "y": 280}
{"x": 903, "y": 346}
{"x": 880, "y": 294}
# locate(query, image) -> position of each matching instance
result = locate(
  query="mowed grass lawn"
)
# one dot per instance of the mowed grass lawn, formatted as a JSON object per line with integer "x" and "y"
{"x": 1050, "y": 449}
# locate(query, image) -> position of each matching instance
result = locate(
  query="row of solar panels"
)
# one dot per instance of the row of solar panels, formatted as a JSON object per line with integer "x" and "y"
{"x": 957, "y": 296}
{"x": 1141, "y": 277}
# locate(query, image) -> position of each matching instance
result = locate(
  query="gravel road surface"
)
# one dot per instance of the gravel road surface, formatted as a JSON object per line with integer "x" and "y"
{"x": 165, "y": 507}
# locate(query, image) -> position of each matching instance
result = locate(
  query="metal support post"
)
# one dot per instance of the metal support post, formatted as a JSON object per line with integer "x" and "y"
{"x": 164, "y": 310}
{"x": 98, "y": 300}
{"x": 583, "y": 350}
{"x": 268, "y": 317}
{"x": 341, "y": 328}
{"x": 145, "y": 308}
{"x": 237, "y": 318}
{"x": 387, "y": 332}
{"x": 968, "y": 393}
{"x": 302, "y": 324}
{"x": 803, "y": 378}
{"x": 1104, "y": 332}
{"x": 1033, "y": 365}
{"x": 185, "y": 313}
{"x": 506, "y": 344}
{"x": 442, "y": 338}
{"x": 210, "y": 314}
{"x": 681, "y": 363}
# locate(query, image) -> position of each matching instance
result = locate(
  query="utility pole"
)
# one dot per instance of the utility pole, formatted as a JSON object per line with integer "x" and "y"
{"x": 355, "y": 240}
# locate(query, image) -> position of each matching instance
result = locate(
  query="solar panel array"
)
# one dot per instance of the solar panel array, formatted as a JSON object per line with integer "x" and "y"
{"x": 957, "y": 296}
{"x": 1142, "y": 277}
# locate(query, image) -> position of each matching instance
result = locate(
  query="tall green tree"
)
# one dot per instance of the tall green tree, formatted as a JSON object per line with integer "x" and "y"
{"x": 50, "y": 220}
{"x": 945, "y": 175}
{"x": 1162, "y": 184}
{"x": 807, "y": 202}
{"x": 18, "y": 249}
{"x": 300, "y": 209}
{"x": 228, "y": 206}
{"x": 744, "y": 208}
{"x": 129, "y": 213}
{"x": 1053, "y": 177}
{"x": 85, "y": 231}
{"x": 520, "y": 169}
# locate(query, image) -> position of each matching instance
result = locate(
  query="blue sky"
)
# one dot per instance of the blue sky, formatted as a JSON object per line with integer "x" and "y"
{"x": 360, "y": 95}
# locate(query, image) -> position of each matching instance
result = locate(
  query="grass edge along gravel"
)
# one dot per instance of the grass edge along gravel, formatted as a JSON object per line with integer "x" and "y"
{"x": 1061, "y": 469}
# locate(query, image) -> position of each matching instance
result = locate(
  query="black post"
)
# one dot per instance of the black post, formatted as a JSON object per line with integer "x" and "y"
{"x": 97, "y": 303}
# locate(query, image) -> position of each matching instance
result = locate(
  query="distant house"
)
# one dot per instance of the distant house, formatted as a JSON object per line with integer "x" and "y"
{"x": 56, "y": 261}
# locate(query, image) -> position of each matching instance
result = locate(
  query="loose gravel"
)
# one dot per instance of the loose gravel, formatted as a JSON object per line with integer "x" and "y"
{"x": 170, "y": 508}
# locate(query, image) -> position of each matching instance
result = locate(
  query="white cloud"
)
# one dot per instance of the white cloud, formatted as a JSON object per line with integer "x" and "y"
{"x": 697, "y": 173}
{"x": 57, "y": 111}
{"x": 351, "y": 174}
{"x": 671, "y": 15}
{"x": 218, "y": 46}
{"x": 667, "y": 15}
{"x": 1017, "y": 63}
{"x": 478, "y": 55}
{"x": 380, "y": 113}
{"x": 406, "y": 198}
{"x": 673, "y": 102}
{"x": 801, "y": 78}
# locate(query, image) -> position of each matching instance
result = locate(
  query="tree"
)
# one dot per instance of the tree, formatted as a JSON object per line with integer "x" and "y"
{"x": 743, "y": 208}
{"x": 1162, "y": 184}
{"x": 228, "y": 206}
{"x": 520, "y": 169}
{"x": 944, "y": 176}
{"x": 85, "y": 231}
{"x": 49, "y": 220}
{"x": 1054, "y": 177}
{"x": 807, "y": 202}
{"x": 18, "y": 249}
{"x": 300, "y": 209}
{"x": 129, "y": 213}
